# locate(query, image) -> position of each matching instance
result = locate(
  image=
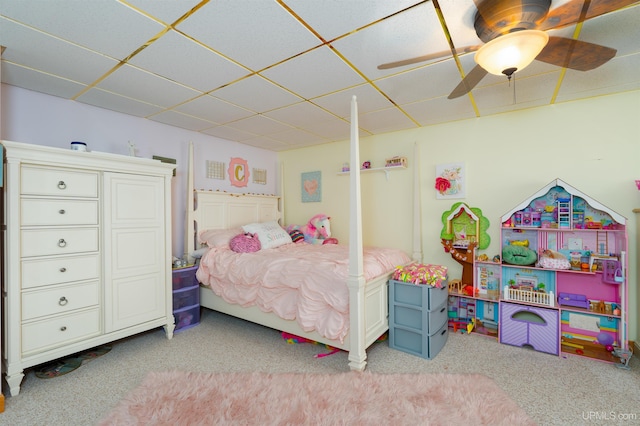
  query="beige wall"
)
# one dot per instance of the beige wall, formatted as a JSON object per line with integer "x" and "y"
{"x": 593, "y": 145}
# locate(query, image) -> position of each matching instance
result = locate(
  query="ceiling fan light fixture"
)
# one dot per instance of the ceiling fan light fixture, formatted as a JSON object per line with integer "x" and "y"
{"x": 514, "y": 50}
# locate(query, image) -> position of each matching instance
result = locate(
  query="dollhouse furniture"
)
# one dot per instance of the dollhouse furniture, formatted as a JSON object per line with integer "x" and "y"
{"x": 87, "y": 256}
{"x": 417, "y": 318}
{"x": 523, "y": 325}
{"x": 367, "y": 299}
{"x": 575, "y": 296}
{"x": 577, "y": 287}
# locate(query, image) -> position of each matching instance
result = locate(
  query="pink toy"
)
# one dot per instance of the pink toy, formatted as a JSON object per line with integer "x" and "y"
{"x": 316, "y": 230}
{"x": 245, "y": 243}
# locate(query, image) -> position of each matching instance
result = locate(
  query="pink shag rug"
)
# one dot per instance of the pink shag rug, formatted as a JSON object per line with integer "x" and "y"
{"x": 180, "y": 398}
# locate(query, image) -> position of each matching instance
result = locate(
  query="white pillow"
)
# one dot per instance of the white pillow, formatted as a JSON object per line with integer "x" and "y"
{"x": 270, "y": 234}
{"x": 218, "y": 237}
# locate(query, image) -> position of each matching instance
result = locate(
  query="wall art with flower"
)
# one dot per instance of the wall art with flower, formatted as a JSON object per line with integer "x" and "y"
{"x": 311, "y": 187}
{"x": 450, "y": 181}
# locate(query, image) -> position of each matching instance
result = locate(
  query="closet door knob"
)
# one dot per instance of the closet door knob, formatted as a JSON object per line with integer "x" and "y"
{"x": 63, "y": 328}
{"x": 63, "y": 269}
{"x": 63, "y": 301}
{"x": 61, "y": 211}
{"x": 62, "y": 242}
{"x": 62, "y": 185}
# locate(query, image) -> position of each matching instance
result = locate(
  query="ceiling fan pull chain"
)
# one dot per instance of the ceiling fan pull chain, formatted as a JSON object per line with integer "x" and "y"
{"x": 514, "y": 89}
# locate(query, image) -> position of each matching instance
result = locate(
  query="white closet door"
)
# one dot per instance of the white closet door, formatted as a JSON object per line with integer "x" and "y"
{"x": 135, "y": 287}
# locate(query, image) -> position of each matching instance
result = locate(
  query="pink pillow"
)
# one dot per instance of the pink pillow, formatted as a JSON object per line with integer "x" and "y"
{"x": 245, "y": 243}
{"x": 218, "y": 237}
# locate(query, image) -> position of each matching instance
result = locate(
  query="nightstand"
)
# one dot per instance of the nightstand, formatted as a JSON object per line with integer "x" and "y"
{"x": 186, "y": 297}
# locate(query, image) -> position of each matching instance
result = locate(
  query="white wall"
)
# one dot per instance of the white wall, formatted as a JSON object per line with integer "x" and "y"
{"x": 36, "y": 118}
{"x": 593, "y": 145}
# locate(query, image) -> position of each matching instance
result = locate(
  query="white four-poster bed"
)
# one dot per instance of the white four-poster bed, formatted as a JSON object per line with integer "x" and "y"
{"x": 368, "y": 300}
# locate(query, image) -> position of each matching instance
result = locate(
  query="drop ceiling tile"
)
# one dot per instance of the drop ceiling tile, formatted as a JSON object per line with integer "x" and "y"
{"x": 460, "y": 16}
{"x": 146, "y": 87}
{"x": 297, "y": 136}
{"x": 214, "y": 110}
{"x": 384, "y": 121}
{"x": 107, "y": 27}
{"x": 259, "y": 125}
{"x": 423, "y": 83}
{"x": 267, "y": 143}
{"x": 257, "y": 34}
{"x": 315, "y": 73}
{"x": 257, "y": 94}
{"x": 181, "y": 120}
{"x": 165, "y": 11}
{"x": 115, "y": 102}
{"x": 229, "y": 133}
{"x": 34, "y": 49}
{"x": 299, "y": 115}
{"x": 440, "y": 110}
{"x": 191, "y": 64}
{"x": 618, "y": 30}
{"x": 27, "y": 78}
{"x": 333, "y": 129}
{"x": 410, "y": 34}
{"x": 339, "y": 103}
{"x": 335, "y": 18}
{"x": 617, "y": 75}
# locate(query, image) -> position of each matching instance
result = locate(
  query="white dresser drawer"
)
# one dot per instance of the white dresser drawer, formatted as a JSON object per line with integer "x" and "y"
{"x": 43, "y": 242}
{"x": 39, "y": 272}
{"x": 58, "y": 182}
{"x": 53, "y": 332}
{"x": 35, "y": 212}
{"x": 59, "y": 299}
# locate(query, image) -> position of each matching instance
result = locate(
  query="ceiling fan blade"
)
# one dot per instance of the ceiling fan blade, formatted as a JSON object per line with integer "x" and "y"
{"x": 575, "y": 54}
{"x": 569, "y": 13}
{"x": 470, "y": 81}
{"x": 425, "y": 58}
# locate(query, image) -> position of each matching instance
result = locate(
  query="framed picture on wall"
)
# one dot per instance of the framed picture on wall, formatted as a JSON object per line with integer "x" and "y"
{"x": 311, "y": 187}
{"x": 450, "y": 181}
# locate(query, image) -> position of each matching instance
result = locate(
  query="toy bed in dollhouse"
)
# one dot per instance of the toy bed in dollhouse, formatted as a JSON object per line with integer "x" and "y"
{"x": 351, "y": 294}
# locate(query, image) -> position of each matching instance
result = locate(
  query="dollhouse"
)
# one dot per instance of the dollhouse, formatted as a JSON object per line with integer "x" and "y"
{"x": 560, "y": 286}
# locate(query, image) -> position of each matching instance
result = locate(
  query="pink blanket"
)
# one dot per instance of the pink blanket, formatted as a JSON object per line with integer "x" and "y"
{"x": 305, "y": 282}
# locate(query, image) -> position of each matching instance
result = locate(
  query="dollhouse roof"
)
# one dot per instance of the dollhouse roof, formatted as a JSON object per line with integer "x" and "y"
{"x": 571, "y": 190}
{"x": 467, "y": 210}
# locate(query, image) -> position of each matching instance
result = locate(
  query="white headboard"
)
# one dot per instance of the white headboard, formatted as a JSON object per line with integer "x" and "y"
{"x": 224, "y": 210}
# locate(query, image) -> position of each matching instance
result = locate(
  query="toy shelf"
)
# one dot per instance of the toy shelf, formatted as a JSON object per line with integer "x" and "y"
{"x": 385, "y": 170}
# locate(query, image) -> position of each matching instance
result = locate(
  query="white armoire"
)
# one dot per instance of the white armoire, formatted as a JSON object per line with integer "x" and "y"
{"x": 87, "y": 252}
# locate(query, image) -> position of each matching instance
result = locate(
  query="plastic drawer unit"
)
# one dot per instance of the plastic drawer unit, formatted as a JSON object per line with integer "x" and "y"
{"x": 417, "y": 318}
{"x": 186, "y": 298}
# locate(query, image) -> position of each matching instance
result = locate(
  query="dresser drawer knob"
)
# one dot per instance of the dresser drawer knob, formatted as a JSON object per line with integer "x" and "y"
{"x": 63, "y": 328}
{"x": 62, "y": 242}
{"x": 62, "y": 185}
{"x": 61, "y": 211}
{"x": 63, "y": 301}
{"x": 63, "y": 269}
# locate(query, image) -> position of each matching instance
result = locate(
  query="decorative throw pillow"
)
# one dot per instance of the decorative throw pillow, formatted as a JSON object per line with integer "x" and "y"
{"x": 296, "y": 236}
{"x": 218, "y": 237}
{"x": 245, "y": 243}
{"x": 271, "y": 234}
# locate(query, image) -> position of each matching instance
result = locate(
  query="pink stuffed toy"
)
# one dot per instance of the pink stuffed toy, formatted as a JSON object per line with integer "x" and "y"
{"x": 245, "y": 243}
{"x": 316, "y": 231}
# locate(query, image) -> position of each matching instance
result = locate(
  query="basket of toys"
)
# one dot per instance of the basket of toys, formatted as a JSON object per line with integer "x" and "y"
{"x": 421, "y": 274}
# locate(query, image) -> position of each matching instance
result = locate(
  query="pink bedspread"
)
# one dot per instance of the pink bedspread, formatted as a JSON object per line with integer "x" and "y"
{"x": 304, "y": 282}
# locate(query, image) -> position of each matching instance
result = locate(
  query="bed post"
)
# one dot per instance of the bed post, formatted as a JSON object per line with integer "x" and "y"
{"x": 189, "y": 229}
{"x": 356, "y": 281}
{"x": 417, "y": 207}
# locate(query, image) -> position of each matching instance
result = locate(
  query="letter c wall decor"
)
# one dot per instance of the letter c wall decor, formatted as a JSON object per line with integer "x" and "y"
{"x": 238, "y": 172}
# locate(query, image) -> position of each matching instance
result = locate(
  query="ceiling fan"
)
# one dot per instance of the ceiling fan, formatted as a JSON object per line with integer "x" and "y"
{"x": 520, "y": 25}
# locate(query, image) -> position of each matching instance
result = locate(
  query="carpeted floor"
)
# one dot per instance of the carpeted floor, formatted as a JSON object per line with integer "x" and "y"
{"x": 352, "y": 398}
{"x": 551, "y": 390}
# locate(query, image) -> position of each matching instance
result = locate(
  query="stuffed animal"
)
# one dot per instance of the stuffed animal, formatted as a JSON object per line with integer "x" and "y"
{"x": 316, "y": 231}
{"x": 245, "y": 243}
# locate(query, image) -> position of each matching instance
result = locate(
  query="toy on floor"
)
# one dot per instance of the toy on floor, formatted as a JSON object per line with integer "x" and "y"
{"x": 316, "y": 231}
{"x": 293, "y": 339}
